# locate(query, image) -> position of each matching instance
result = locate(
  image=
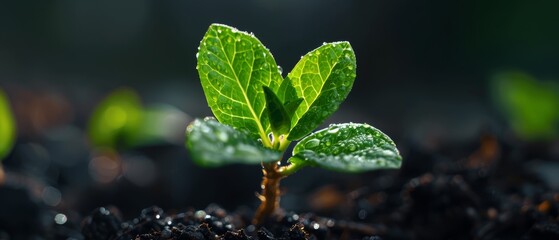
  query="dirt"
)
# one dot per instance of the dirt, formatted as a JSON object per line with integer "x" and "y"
{"x": 486, "y": 190}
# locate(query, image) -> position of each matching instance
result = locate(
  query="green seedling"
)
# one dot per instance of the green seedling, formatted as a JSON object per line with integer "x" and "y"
{"x": 7, "y": 126}
{"x": 121, "y": 121}
{"x": 530, "y": 106}
{"x": 259, "y": 113}
{"x": 7, "y": 131}
{"x": 115, "y": 119}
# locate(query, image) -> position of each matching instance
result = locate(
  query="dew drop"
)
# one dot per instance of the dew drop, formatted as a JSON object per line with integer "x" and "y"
{"x": 218, "y": 30}
{"x": 312, "y": 143}
{"x": 200, "y": 214}
{"x": 280, "y": 69}
{"x": 351, "y": 147}
{"x": 222, "y": 136}
{"x": 197, "y": 55}
{"x": 60, "y": 219}
{"x": 226, "y": 106}
{"x": 229, "y": 150}
{"x": 336, "y": 151}
{"x": 333, "y": 129}
{"x": 316, "y": 226}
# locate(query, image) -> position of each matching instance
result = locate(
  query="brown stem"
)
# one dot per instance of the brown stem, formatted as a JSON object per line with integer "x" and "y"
{"x": 270, "y": 195}
{"x": 2, "y": 175}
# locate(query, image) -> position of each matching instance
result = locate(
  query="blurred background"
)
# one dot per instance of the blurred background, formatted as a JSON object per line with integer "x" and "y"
{"x": 429, "y": 74}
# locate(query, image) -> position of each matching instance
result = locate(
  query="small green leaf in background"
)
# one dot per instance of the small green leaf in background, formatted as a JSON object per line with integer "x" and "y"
{"x": 279, "y": 119}
{"x": 530, "y": 106}
{"x": 323, "y": 78}
{"x": 7, "y": 126}
{"x": 347, "y": 147}
{"x": 160, "y": 124}
{"x": 213, "y": 144}
{"x": 233, "y": 66}
{"x": 115, "y": 119}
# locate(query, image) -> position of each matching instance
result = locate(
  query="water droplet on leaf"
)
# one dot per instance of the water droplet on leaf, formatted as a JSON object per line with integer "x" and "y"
{"x": 312, "y": 143}
{"x": 333, "y": 129}
{"x": 222, "y": 136}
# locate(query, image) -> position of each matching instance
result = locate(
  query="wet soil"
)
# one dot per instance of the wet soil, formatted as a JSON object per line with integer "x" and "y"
{"x": 486, "y": 190}
{"x": 492, "y": 193}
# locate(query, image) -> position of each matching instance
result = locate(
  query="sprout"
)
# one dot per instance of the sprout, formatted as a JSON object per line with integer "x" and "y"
{"x": 259, "y": 112}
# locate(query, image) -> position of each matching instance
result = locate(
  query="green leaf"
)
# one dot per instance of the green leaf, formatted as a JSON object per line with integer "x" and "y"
{"x": 116, "y": 119}
{"x": 279, "y": 119}
{"x": 323, "y": 78}
{"x": 233, "y": 66}
{"x": 347, "y": 147}
{"x": 530, "y": 106}
{"x": 213, "y": 144}
{"x": 159, "y": 125}
{"x": 291, "y": 106}
{"x": 286, "y": 91}
{"x": 7, "y": 126}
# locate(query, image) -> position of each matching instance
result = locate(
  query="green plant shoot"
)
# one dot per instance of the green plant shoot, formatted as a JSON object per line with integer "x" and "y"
{"x": 121, "y": 121}
{"x": 259, "y": 112}
{"x": 7, "y": 126}
{"x": 530, "y": 106}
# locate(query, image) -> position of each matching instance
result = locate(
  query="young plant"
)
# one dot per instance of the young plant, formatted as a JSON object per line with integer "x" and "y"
{"x": 259, "y": 113}
{"x": 120, "y": 120}
{"x": 531, "y": 106}
{"x": 7, "y": 131}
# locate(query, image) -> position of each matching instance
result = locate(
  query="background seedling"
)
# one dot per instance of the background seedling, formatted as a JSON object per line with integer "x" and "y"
{"x": 7, "y": 130}
{"x": 530, "y": 106}
{"x": 121, "y": 121}
{"x": 259, "y": 112}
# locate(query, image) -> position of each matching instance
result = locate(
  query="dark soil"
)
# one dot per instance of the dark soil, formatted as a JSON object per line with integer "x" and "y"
{"x": 474, "y": 191}
{"x": 490, "y": 194}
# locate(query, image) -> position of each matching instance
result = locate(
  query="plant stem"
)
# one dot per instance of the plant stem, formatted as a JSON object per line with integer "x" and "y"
{"x": 270, "y": 195}
{"x": 2, "y": 175}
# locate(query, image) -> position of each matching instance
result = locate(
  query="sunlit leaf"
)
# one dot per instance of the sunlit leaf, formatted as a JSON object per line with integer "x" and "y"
{"x": 7, "y": 126}
{"x": 214, "y": 144}
{"x": 291, "y": 106}
{"x": 347, "y": 147}
{"x": 323, "y": 78}
{"x": 233, "y": 66}
{"x": 115, "y": 119}
{"x": 531, "y": 106}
